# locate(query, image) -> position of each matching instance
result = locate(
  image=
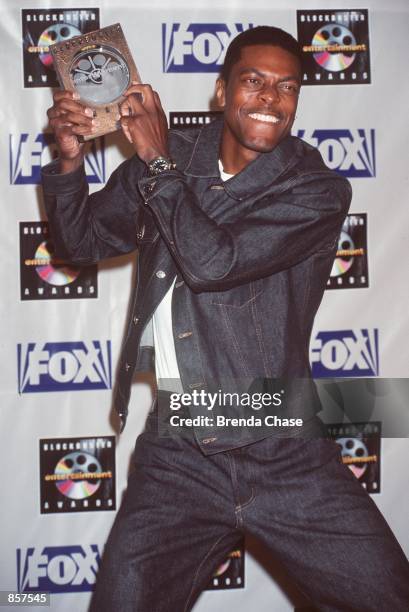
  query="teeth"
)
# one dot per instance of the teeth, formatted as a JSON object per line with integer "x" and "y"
{"x": 267, "y": 118}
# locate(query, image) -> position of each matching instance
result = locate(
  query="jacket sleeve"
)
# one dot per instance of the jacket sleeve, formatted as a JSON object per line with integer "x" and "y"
{"x": 88, "y": 228}
{"x": 275, "y": 232}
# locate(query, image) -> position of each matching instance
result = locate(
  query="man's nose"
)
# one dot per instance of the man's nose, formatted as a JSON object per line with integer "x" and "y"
{"x": 270, "y": 94}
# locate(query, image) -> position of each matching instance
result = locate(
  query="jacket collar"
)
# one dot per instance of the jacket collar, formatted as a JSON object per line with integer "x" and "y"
{"x": 258, "y": 175}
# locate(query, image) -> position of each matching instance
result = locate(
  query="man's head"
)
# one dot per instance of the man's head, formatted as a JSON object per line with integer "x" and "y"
{"x": 258, "y": 90}
{"x": 261, "y": 35}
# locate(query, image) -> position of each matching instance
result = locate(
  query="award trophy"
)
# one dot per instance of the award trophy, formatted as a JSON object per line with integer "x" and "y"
{"x": 100, "y": 68}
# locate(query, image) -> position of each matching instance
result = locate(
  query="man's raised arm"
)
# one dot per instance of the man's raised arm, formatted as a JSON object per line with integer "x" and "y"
{"x": 87, "y": 228}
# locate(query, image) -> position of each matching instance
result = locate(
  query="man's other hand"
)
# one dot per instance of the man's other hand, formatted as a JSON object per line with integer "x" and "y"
{"x": 144, "y": 122}
{"x": 69, "y": 119}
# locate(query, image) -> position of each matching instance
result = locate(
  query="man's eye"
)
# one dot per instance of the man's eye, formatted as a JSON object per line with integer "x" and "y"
{"x": 253, "y": 81}
{"x": 290, "y": 88}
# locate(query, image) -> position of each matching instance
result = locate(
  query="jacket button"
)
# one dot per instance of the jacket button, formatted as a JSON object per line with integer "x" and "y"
{"x": 127, "y": 366}
{"x": 140, "y": 233}
{"x": 135, "y": 320}
{"x": 208, "y": 440}
{"x": 160, "y": 274}
{"x": 149, "y": 187}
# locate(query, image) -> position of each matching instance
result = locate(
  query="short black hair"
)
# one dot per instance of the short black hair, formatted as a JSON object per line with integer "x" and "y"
{"x": 261, "y": 35}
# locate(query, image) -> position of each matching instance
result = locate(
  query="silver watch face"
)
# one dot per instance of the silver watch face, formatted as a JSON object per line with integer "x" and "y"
{"x": 161, "y": 164}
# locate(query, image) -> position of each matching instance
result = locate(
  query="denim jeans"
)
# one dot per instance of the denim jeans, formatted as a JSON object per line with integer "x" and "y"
{"x": 183, "y": 512}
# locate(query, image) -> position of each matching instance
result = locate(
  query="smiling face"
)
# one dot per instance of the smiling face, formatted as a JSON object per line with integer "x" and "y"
{"x": 259, "y": 101}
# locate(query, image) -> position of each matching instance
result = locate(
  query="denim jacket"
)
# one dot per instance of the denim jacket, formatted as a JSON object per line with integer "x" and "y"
{"x": 251, "y": 257}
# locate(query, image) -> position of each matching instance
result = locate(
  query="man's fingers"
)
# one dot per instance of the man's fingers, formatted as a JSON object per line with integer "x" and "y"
{"x": 141, "y": 88}
{"x": 53, "y": 112}
{"x": 82, "y": 130}
{"x": 157, "y": 101}
{"x": 65, "y": 135}
{"x": 78, "y": 118}
{"x": 76, "y": 107}
{"x": 67, "y": 101}
{"x": 73, "y": 118}
{"x": 125, "y": 129}
{"x": 134, "y": 102}
{"x": 70, "y": 132}
{"x": 132, "y": 106}
{"x": 137, "y": 95}
{"x": 146, "y": 91}
{"x": 69, "y": 119}
{"x": 62, "y": 126}
{"x": 63, "y": 94}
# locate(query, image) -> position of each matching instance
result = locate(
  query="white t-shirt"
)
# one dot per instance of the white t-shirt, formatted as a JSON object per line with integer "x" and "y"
{"x": 166, "y": 364}
{"x": 223, "y": 175}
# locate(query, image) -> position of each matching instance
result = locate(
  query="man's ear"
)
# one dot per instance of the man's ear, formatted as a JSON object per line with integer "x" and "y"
{"x": 221, "y": 92}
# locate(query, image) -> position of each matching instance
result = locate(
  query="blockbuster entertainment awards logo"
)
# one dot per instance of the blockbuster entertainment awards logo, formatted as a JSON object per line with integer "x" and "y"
{"x": 44, "y": 27}
{"x": 361, "y": 451}
{"x": 77, "y": 474}
{"x": 45, "y": 277}
{"x": 335, "y": 44}
{"x": 350, "y": 267}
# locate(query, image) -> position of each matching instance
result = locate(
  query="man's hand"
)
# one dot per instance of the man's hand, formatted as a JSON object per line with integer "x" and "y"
{"x": 144, "y": 122}
{"x": 69, "y": 119}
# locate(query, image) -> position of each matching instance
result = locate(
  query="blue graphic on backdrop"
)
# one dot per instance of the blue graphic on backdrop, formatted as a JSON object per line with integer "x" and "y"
{"x": 197, "y": 47}
{"x": 64, "y": 366}
{"x": 57, "y": 569}
{"x": 345, "y": 353}
{"x": 28, "y": 152}
{"x": 350, "y": 152}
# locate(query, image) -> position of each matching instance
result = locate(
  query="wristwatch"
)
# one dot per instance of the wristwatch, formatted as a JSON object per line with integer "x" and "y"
{"x": 160, "y": 164}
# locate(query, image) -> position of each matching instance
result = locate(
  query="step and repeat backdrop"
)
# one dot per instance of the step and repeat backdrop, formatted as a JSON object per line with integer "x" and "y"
{"x": 64, "y": 468}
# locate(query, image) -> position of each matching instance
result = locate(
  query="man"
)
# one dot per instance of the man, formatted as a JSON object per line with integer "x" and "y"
{"x": 236, "y": 226}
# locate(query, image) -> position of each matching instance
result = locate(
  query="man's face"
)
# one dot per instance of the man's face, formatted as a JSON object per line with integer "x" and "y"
{"x": 259, "y": 101}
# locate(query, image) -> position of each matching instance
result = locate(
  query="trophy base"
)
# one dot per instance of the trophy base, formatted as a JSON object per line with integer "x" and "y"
{"x": 107, "y": 118}
{"x": 101, "y": 132}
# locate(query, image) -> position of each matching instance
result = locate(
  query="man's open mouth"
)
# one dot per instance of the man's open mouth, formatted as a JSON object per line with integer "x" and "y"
{"x": 265, "y": 118}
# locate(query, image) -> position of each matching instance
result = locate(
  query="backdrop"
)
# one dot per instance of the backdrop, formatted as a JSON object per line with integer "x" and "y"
{"x": 64, "y": 469}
